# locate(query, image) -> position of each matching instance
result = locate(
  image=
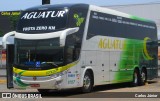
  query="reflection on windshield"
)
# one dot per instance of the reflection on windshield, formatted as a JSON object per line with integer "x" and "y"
{"x": 38, "y": 54}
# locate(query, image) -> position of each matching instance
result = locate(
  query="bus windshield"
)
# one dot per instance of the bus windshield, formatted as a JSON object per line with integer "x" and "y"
{"x": 42, "y": 21}
{"x": 38, "y": 54}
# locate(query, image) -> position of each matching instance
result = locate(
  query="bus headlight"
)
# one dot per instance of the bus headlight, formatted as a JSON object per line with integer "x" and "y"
{"x": 57, "y": 75}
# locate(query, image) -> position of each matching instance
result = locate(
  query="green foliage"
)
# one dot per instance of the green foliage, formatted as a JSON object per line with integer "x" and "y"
{"x": 1, "y": 33}
{"x": 13, "y": 19}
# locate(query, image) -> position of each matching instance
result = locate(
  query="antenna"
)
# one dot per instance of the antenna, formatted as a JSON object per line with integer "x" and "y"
{"x": 45, "y": 2}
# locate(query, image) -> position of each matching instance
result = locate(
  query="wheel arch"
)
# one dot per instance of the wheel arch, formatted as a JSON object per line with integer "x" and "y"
{"x": 144, "y": 68}
{"x": 136, "y": 68}
{"x": 90, "y": 69}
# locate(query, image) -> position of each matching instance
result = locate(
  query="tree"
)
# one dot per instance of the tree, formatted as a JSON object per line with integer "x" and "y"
{"x": 1, "y": 33}
{"x": 13, "y": 20}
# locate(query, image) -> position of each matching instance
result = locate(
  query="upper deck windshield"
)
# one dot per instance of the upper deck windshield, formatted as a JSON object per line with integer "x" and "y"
{"x": 42, "y": 21}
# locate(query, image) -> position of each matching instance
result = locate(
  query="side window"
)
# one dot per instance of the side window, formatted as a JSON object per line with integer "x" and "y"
{"x": 111, "y": 25}
{"x": 77, "y": 17}
{"x": 69, "y": 54}
{"x": 90, "y": 35}
{"x": 72, "y": 48}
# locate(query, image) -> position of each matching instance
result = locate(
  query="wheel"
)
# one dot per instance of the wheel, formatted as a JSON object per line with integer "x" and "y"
{"x": 87, "y": 83}
{"x": 136, "y": 78}
{"x": 143, "y": 77}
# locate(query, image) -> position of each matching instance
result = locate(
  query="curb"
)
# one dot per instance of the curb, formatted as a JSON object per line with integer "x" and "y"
{"x": 2, "y": 81}
{"x": 2, "y": 75}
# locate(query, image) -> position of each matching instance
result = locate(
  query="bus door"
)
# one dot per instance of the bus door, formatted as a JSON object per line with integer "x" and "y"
{"x": 9, "y": 64}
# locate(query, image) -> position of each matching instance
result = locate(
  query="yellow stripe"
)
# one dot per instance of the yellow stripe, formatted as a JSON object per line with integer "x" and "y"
{"x": 42, "y": 72}
{"x": 145, "y": 48}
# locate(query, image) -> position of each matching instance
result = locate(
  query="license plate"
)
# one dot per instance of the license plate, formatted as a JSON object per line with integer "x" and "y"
{"x": 35, "y": 85}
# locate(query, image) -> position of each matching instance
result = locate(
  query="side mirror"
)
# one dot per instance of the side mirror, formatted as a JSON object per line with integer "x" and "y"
{"x": 65, "y": 33}
{"x": 4, "y": 38}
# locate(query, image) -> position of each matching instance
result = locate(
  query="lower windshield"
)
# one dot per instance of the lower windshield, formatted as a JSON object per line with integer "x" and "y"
{"x": 38, "y": 54}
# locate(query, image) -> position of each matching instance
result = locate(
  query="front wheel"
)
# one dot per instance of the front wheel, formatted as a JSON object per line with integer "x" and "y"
{"x": 87, "y": 83}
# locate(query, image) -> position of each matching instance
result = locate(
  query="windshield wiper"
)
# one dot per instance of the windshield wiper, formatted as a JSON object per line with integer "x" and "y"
{"x": 50, "y": 63}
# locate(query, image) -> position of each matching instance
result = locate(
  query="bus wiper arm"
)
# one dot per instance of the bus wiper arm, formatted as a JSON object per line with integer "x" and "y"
{"x": 50, "y": 63}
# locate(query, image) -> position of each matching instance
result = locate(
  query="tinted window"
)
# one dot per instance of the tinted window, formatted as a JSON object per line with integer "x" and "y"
{"x": 77, "y": 17}
{"x": 112, "y": 25}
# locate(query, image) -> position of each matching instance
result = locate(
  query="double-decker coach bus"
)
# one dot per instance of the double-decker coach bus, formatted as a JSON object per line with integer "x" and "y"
{"x": 79, "y": 45}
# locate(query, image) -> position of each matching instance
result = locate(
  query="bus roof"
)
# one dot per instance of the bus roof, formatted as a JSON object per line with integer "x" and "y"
{"x": 100, "y": 9}
{"x": 118, "y": 13}
{"x": 48, "y": 6}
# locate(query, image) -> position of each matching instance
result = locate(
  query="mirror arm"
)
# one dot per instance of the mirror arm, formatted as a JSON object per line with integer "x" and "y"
{"x": 65, "y": 33}
{"x": 4, "y": 38}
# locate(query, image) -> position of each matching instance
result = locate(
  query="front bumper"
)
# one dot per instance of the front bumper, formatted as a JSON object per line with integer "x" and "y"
{"x": 46, "y": 82}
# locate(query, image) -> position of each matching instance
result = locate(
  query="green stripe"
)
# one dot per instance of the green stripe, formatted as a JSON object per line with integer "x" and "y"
{"x": 141, "y": 19}
{"x": 18, "y": 81}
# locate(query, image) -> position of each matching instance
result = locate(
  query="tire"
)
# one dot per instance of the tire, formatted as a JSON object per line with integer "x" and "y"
{"x": 136, "y": 78}
{"x": 143, "y": 77}
{"x": 87, "y": 83}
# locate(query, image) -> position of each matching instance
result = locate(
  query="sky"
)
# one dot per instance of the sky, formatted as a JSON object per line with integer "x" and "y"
{"x": 9, "y": 5}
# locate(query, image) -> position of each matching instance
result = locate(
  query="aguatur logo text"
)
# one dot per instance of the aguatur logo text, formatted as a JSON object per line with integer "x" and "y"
{"x": 43, "y": 14}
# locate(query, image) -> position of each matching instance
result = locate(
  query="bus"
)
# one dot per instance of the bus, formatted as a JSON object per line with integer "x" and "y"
{"x": 68, "y": 46}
